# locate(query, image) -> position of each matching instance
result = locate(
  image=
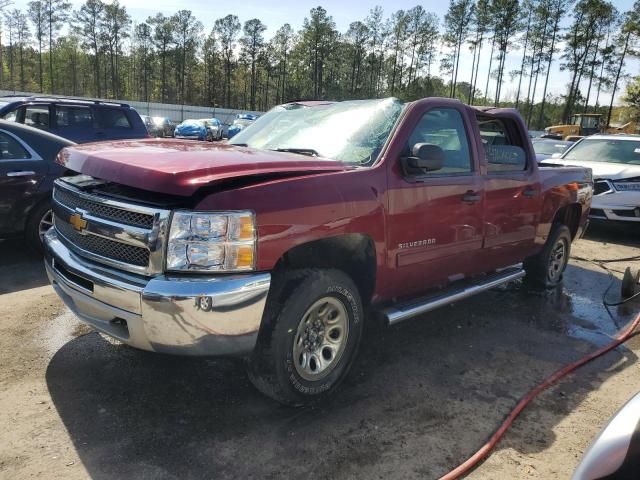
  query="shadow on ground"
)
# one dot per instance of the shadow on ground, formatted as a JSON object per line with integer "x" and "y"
{"x": 20, "y": 267}
{"x": 612, "y": 232}
{"x": 420, "y": 399}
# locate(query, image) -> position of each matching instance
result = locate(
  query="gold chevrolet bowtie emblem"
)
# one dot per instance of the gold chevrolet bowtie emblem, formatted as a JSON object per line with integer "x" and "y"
{"x": 78, "y": 222}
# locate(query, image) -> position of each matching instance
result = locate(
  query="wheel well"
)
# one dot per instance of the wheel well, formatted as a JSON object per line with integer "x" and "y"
{"x": 354, "y": 254}
{"x": 34, "y": 208}
{"x": 569, "y": 215}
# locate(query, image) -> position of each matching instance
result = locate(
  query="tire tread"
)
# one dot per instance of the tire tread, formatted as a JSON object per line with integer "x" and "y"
{"x": 262, "y": 369}
{"x": 536, "y": 265}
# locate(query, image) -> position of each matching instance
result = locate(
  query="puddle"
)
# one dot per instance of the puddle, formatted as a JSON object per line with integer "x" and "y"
{"x": 583, "y": 317}
{"x": 564, "y": 310}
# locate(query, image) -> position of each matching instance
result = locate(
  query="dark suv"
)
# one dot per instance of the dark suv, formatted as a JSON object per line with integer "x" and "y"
{"x": 75, "y": 119}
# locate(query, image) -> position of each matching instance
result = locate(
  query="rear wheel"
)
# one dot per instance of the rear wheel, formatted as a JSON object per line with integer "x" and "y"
{"x": 546, "y": 269}
{"x": 313, "y": 324}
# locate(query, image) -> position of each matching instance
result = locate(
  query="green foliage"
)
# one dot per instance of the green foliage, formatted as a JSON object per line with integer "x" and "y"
{"x": 632, "y": 97}
{"x": 409, "y": 54}
{"x": 252, "y": 46}
{"x": 457, "y": 24}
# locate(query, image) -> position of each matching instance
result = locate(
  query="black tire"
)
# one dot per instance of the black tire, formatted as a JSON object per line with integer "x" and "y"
{"x": 32, "y": 231}
{"x": 273, "y": 367}
{"x": 546, "y": 269}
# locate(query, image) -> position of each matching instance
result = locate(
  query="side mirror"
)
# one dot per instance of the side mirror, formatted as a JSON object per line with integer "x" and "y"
{"x": 556, "y": 155}
{"x": 425, "y": 157}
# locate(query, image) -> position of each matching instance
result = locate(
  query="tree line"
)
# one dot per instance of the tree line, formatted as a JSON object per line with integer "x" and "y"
{"x": 98, "y": 51}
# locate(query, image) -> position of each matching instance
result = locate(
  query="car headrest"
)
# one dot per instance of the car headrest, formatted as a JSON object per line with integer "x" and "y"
{"x": 505, "y": 154}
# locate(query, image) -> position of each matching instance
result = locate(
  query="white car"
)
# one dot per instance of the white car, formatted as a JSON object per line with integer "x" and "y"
{"x": 615, "y": 162}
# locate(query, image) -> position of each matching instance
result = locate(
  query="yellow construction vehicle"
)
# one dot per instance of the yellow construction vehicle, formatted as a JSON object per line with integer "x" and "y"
{"x": 629, "y": 127}
{"x": 584, "y": 124}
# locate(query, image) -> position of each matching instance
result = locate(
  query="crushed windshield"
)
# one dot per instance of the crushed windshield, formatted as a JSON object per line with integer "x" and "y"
{"x": 351, "y": 132}
{"x": 606, "y": 150}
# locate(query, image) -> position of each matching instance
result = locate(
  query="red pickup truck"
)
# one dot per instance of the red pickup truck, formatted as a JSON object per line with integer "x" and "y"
{"x": 280, "y": 245}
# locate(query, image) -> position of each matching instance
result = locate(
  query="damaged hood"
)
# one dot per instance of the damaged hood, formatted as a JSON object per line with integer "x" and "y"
{"x": 182, "y": 167}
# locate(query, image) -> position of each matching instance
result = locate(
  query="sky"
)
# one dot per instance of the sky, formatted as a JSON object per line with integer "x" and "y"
{"x": 275, "y": 13}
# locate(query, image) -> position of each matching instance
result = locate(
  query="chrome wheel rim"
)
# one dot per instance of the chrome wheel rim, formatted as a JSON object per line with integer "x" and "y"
{"x": 321, "y": 338}
{"x": 46, "y": 222}
{"x": 558, "y": 260}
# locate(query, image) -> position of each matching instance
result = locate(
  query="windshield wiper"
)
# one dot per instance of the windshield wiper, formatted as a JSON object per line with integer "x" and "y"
{"x": 239, "y": 144}
{"x": 310, "y": 152}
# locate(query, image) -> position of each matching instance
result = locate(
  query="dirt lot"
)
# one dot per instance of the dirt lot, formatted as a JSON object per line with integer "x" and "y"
{"x": 422, "y": 397}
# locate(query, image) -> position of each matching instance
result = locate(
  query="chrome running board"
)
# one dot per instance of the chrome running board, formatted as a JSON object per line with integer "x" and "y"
{"x": 398, "y": 312}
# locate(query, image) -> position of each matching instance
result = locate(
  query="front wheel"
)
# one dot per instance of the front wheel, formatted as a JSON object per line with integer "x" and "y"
{"x": 312, "y": 329}
{"x": 39, "y": 223}
{"x": 547, "y": 267}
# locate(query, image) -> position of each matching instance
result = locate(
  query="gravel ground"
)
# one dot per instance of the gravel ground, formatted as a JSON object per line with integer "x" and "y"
{"x": 421, "y": 398}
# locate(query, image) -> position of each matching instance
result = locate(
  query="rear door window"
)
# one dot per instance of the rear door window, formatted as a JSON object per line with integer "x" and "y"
{"x": 74, "y": 117}
{"x": 37, "y": 116}
{"x": 114, "y": 118}
{"x": 501, "y": 148}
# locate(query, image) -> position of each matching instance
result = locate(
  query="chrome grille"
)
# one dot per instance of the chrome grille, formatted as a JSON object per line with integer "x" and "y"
{"x": 127, "y": 217}
{"x": 123, "y": 235}
{"x": 105, "y": 248}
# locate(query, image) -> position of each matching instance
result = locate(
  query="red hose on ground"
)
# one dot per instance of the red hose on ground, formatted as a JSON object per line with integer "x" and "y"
{"x": 486, "y": 449}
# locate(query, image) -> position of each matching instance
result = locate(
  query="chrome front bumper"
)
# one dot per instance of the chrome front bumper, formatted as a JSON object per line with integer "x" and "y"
{"x": 184, "y": 315}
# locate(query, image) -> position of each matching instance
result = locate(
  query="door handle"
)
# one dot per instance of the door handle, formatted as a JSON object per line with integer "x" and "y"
{"x": 21, "y": 173}
{"x": 529, "y": 192}
{"x": 471, "y": 197}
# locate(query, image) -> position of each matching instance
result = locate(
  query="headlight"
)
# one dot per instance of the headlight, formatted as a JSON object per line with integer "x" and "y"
{"x": 223, "y": 241}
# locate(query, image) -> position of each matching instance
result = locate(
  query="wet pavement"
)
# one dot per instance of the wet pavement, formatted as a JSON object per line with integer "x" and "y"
{"x": 420, "y": 399}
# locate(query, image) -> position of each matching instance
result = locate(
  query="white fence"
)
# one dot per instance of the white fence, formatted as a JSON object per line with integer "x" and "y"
{"x": 177, "y": 113}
